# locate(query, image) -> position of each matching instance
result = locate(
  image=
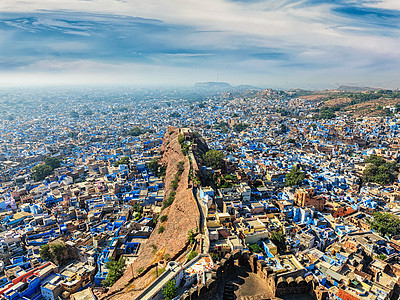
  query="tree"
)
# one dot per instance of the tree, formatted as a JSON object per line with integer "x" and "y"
{"x": 72, "y": 134}
{"x": 74, "y": 114}
{"x": 379, "y": 170}
{"x": 58, "y": 251}
{"x": 327, "y": 113}
{"x": 88, "y": 112}
{"x": 153, "y": 166}
{"x": 283, "y": 129}
{"x": 214, "y": 257}
{"x": 381, "y": 256}
{"x": 294, "y": 177}
{"x": 375, "y": 159}
{"x": 214, "y": 159}
{"x": 278, "y": 239}
{"x": 53, "y": 162}
{"x": 123, "y": 161}
{"x": 181, "y": 139}
{"x": 175, "y": 115}
{"x": 255, "y": 248}
{"x": 45, "y": 253}
{"x": 240, "y": 127}
{"x": 136, "y": 131}
{"x": 169, "y": 290}
{"x": 291, "y": 141}
{"x": 385, "y": 223}
{"x": 39, "y": 172}
{"x": 115, "y": 271}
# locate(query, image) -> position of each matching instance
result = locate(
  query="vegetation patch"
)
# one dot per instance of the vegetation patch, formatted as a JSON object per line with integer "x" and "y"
{"x": 385, "y": 224}
{"x": 192, "y": 255}
{"x": 295, "y": 176}
{"x": 40, "y": 172}
{"x": 115, "y": 271}
{"x": 379, "y": 170}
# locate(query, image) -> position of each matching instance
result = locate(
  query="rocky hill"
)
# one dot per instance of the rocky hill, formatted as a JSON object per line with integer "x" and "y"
{"x": 171, "y": 241}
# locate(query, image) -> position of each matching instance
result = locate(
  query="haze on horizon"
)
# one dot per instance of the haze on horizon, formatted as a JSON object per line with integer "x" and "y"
{"x": 274, "y": 43}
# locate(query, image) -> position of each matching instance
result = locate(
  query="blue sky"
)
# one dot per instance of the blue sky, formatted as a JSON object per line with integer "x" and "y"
{"x": 268, "y": 43}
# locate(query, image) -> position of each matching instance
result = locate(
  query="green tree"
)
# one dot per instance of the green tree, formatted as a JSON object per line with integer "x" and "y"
{"x": 88, "y": 112}
{"x": 278, "y": 239}
{"x": 284, "y": 129}
{"x": 255, "y": 248}
{"x": 59, "y": 253}
{"x": 115, "y": 271}
{"x": 169, "y": 290}
{"x": 153, "y": 166}
{"x": 379, "y": 170}
{"x": 214, "y": 159}
{"x": 136, "y": 131}
{"x": 385, "y": 224}
{"x": 181, "y": 139}
{"x": 381, "y": 256}
{"x": 45, "y": 253}
{"x": 53, "y": 162}
{"x": 375, "y": 159}
{"x": 175, "y": 115}
{"x": 294, "y": 177}
{"x": 123, "y": 161}
{"x": 39, "y": 172}
{"x": 72, "y": 134}
{"x": 214, "y": 257}
{"x": 74, "y": 114}
{"x": 327, "y": 113}
{"x": 291, "y": 141}
{"x": 240, "y": 127}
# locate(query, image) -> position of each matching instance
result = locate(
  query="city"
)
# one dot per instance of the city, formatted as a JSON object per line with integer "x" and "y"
{"x": 208, "y": 192}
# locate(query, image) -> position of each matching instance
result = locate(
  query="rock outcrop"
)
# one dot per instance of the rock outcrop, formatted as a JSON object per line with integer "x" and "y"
{"x": 183, "y": 215}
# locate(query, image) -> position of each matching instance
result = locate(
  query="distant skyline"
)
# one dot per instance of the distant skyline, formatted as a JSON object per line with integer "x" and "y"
{"x": 270, "y": 43}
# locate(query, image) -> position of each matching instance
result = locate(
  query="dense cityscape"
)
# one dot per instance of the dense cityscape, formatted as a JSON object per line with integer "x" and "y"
{"x": 209, "y": 192}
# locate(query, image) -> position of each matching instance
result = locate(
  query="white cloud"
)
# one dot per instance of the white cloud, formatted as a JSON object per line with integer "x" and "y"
{"x": 316, "y": 36}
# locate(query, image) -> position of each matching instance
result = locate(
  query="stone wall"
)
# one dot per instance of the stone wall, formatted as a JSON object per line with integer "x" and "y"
{"x": 279, "y": 285}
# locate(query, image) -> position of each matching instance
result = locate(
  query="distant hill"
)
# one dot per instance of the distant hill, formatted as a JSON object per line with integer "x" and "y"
{"x": 212, "y": 84}
{"x": 350, "y": 88}
{"x": 245, "y": 87}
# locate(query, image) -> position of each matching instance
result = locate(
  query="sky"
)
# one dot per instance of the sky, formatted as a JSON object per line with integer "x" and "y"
{"x": 266, "y": 43}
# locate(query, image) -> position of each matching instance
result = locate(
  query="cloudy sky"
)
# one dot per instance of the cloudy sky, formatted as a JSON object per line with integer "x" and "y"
{"x": 268, "y": 43}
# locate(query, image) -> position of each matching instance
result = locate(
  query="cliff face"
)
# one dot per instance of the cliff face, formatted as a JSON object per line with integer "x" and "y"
{"x": 182, "y": 216}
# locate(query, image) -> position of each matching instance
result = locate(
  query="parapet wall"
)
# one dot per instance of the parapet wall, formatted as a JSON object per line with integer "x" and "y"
{"x": 280, "y": 285}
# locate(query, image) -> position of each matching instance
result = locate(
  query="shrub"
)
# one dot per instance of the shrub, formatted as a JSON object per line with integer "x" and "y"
{"x": 115, "y": 271}
{"x": 154, "y": 247}
{"x": 45, "y": 253}
{"x": 255, "y": 248}
{"x": 190, "y": 236}
{"x": 164, "y": 218}
{"x": 161, "y": 229}
{"x": 169, "y": 290}
{"x": 192, "y": 255}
